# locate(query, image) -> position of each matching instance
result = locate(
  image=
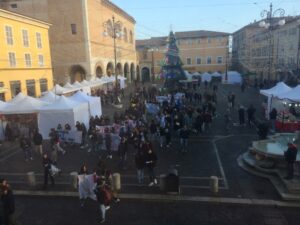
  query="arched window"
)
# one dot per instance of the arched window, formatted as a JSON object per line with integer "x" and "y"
{"x": 125, "y": 35}
{"x": 131, "y": 37}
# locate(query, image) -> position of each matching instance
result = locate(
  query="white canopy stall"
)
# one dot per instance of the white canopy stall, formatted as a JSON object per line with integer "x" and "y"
{"x": 95, "y": 108}
{"x": 206, "y": 77}
{"x": 276, "y": 91}
{"x": 233, "y": 77}
{"x": 62, "y": 111}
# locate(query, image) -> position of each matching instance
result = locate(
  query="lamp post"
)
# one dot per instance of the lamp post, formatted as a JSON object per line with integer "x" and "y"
{"x": 268, "y": 23}
{"x": 152, "y": 50}
{"x": 114, "y": 30}
{"x": 298, "y": 51}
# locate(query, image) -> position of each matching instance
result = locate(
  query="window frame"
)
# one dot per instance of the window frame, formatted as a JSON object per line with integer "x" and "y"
{"x": 208, "y": 57}
{"x": 9, "y": 39}
{"x": 28, "y": 63}
{"x": 189, "y": 59}
{"x": 14, "y": 60}
{"x": 25, "y": 39}
{"x": 38, "y": 37}
{"x": 41, "y": 62}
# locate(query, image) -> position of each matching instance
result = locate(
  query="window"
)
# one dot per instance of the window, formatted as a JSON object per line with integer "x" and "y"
{"x": 9, "y": 35}
{"x": 15, "y": 87}
{"x": 43, "y": 85}
{"x": 208, "y": 60}
{"x": 219, "y": 59}
{"x": 25, "y": 38}
{"x": 131, "y": 37}
{"x": 188, "y": 61}
{"x": 208, "y": 40}
{"x": 198, "y": 60}
{"x": 220, "y": 39}
{"x": 13, "y": 6}
{"x": 12, "y": 59}
{"x": 41, "y": 60}
{"x": 28, "y": 60}
{"x": 73, "y": 28}
{"x": 178, "y": 42}
{"x": 30, "y": 85}
{"x": 125, "y": 35}
{"x": 39, "y": 40}
{"x": 2, "y": 94}
{"x": 145, "y": 54}
{"x": 199, "y": 41}
{"x": 190, "y": 41}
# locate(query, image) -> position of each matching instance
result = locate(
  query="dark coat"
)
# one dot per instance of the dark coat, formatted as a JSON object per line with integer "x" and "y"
{"x": 150, "y": 159}
{"x": 8, "y": 203}
{"x": 140, "y": 161}
{"x": 291, "y": 154}
{"x": 37, "y": 139}
{"x": 184, "y": 134}
{"x": 100, "y": 194}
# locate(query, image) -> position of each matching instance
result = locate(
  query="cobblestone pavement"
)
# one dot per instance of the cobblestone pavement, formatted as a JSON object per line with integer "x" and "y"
{"x": 66, "y": 211}
{"x": 211, "y": 153}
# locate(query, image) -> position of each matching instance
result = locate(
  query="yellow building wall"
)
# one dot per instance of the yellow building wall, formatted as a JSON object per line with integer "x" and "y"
{"x": 21, "y": 72}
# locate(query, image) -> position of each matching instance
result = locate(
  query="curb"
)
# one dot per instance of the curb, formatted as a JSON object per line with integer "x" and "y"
{"x": 171, "y": 198}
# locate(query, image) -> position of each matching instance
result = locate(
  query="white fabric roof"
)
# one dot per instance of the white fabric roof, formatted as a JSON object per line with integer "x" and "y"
{"x": 293, "y": 94}
{"x": 277, "y": 90}
{"x": 61, "y": 103}
{"x": 59, "y": 90}
{"x": 76, "y": 85}
{"x": 216, "y": 74}
{"x": 85, "y": 83}
{"x": 206, "y": 77}
{"x": 68, "y": 85}
{"x": 19, "y": 97}
{"x": 26, "y": 106}
{"x": 94, "y": 102}
{"x": 233, "y": 77}
{"x": 3, "y": 105}
{"x": 49, "y": 97}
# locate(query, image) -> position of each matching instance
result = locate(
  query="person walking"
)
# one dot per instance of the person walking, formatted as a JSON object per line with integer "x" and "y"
{"x": 184, "y": 135}
{"x": 101, "y": 194}
{"x": 273, "y": 117}
{"x": 150, "y": 160}
{"x": 140, "y": 165}
{"x": 227, "y": 119}
{"x": 108, "y": 143}
{"x": 38, "y": 142}
{"x": 54, "y": 140}
{"x": 25, "y": 144}
{"x": 8, "y": 202}
{"x": 122, "y": 151}
{"x": 290, "y": 157}
{"x": 47, "y": 171}
{"x": 251, "y": 115}
{"x": 241, "y": 112}
{"x": 82, "y": 197}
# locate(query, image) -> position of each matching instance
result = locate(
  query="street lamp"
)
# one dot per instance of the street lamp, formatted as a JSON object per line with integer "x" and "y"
{"x": 114, "y": 30}
{"x": 298, "y": 52}
{"x": 269, "y": 24}
{"x": 152, "y": 50}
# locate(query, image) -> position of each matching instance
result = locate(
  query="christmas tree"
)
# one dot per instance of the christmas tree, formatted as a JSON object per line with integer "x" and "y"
{"x": 172, "y": 67}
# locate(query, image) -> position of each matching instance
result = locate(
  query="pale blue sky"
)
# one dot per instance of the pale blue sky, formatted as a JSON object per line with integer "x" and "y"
{"x": 154, "y": 17}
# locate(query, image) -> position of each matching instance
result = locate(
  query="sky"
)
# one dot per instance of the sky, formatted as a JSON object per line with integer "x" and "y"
{"x": 157, "y": 17}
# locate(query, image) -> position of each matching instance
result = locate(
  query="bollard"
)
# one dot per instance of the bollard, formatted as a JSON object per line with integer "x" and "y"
{"x": 214, "y": 184}
{"x": 74, "y": 179}
{"x": 116, "y": 181}
{"x": 31, "y": 179}
{"x": 162, "y": 182}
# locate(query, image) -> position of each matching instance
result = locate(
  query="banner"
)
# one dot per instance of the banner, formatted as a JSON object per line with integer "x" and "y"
{"x": 86, "y": 186}
{"x": 70, "y": 136}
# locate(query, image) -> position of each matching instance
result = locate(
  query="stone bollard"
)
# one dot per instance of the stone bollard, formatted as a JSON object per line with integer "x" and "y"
{"x": 74, "y": 179}
{"x": 116, "y": 181}
{"x": 31, "y": 179}
{"x": 214, "y": 184}
{"x": 162, "y": 182}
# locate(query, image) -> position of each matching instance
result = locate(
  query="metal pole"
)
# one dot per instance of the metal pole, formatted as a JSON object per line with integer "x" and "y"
{"x": 152, "y": 65}
{"x": 114, "y": 36}
{"x": 298, "y": 53}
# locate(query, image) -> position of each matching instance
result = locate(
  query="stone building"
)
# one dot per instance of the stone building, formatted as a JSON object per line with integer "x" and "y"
{"x": 200, "y": 51}
{"x": 268, "y": 54}
{"x": 25, "y": 60}
{"x": 79, "y": 49}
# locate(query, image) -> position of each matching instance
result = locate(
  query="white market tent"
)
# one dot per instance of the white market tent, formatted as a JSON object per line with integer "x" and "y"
{"x": 276, "y": 91}
{"x": 49, "y": 97}
{"x": 94, "y": 102}
{"x": 216, "y": 74}
{"x": 59, "y": 90}
{"x": 19, "y": 97}
{"x": 292, "y": 95}
{"x": 122, "y": 81}
{"x": 196, "y": 74}
{"x": 85, "y": 83}
{"x": 68, "y": 86}
{"x": 206, "y": 77}
{"x": 63, "y": 111}
{"x": 233, "y": 77}
{"x": 26, "y": 106}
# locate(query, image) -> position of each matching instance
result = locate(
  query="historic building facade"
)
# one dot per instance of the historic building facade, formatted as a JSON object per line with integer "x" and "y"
{"x": 268, "y": 54}
{"x": 79, "y": 48}
{"x": 25, "y": 60}
{"x": 200, "y": 51}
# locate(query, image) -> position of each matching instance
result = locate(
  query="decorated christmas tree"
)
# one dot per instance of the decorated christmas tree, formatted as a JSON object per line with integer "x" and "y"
{"x": 172, "y": 67}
